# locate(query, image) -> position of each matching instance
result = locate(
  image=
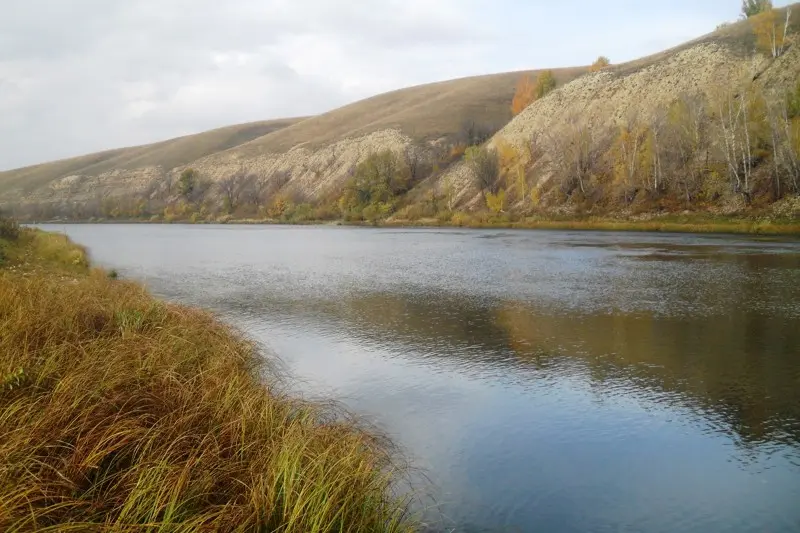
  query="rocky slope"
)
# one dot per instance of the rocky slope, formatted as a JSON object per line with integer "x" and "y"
{"x": 604, "y": 101}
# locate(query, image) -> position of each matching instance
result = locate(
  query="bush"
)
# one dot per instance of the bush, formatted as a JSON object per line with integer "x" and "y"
{"x": 376, "y": 183}
{"x": 9, "y": 229}
{"x": 485, "y": 167}
{"x": 601, "y": 63}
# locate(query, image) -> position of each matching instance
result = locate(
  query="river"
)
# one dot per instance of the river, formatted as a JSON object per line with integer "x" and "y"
{"x": 537, "y": 380}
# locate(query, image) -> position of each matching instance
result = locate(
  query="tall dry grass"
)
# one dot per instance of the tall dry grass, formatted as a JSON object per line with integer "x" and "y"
{"x": 119, "y": 412}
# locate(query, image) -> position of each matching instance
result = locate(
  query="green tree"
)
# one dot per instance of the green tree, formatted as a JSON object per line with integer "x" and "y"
{"x": 545, "y": 83}
{"x": 793, "y": 102}
{"x": 187, "y": 182}
{"x": 751, "y": 8}
{"x": 376, "y": 183}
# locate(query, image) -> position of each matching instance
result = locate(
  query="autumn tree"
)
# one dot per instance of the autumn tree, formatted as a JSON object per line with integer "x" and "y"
{"x": 512, "y": 167}
{"x": 599, "y": 64}
{"x": 743, "y": 131}
{"x": 771, "y": 31}
{"x": 629, "y": 164}
{"x": 686, "y": 142}
{"x": 524, "y": 95}
{"x": 529, "y": 90}
{"x": 751, "y": 8}
{"x": 575, "y": 154}
{"x": 784, "y": 123}
{"x": 496, "y": 202}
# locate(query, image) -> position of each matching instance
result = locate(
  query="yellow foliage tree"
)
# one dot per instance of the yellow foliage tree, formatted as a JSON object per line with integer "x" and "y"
{"x": 771, "y": 31}
{"x": 536, "y": 196}
{"x": 601, "y": 63}
{"x": 545, "y": 83}
{"x": 512, "y": 166}
{"x": 278, "y": 207}
{"x": 630, "y": 158}
{"x": 529, "y": 90}
{"x": 496, "y": 202}
{"x": 524, "y": 95}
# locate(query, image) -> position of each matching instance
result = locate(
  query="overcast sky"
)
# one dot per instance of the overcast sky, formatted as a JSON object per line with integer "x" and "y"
{"x": 78, "y": 76}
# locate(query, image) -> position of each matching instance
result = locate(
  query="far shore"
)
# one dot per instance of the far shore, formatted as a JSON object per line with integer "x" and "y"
{"x": 693, "y": 223}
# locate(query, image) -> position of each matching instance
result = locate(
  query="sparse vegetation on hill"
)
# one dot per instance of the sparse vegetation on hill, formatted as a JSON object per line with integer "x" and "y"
{"x": 529, "y": 90}
{"x": 119, "y": 412}
{"x": 600, "y": 63}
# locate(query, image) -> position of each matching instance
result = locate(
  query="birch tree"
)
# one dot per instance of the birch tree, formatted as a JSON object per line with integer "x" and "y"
{"x": 771, "y": 32}
{"x": 686, "y": 141}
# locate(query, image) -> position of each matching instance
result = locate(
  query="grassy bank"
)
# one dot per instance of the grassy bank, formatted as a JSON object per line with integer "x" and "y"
{"x": 119, "y": 412}
{"x": 693, "y": 223}
{"x": 676, "y": 224}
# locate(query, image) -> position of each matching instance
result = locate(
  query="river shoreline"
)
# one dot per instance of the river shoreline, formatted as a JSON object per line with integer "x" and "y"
{"x": 120, "y": 411}
{"x": 684, "y": 224}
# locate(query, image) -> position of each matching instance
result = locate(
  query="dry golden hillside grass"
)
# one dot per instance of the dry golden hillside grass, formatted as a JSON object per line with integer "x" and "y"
{"x": 166, "y": 154}
{"x": 425, "y": 112}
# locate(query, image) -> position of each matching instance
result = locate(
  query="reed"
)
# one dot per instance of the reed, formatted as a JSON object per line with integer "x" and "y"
{"x": 119, "y": 412}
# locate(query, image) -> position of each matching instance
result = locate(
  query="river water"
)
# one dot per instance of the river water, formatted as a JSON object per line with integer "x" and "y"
{"x": 540, "y": 380}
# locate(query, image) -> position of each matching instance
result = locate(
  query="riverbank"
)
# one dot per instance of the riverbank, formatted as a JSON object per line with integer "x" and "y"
{"x": 671, "y": 224}
{"x": 121, "y": 412}
{"x": 666, "y": 224}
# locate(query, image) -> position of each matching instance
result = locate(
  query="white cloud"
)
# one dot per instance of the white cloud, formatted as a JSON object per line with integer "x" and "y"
{"x": 86, "y": 75}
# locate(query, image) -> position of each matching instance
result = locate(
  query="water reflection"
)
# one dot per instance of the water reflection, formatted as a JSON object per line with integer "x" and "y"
{"x": 740, "y": 370}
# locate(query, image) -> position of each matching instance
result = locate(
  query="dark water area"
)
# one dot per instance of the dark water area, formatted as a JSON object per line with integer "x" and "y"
{"x": 542, "y": 380}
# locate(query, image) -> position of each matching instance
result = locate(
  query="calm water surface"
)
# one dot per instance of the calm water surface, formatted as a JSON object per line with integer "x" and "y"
{"x": 544, "y": 381}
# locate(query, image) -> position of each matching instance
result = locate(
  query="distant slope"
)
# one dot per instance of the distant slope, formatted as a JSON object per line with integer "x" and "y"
{"x": 424, "y": 112}
{"x": 166, "y": 154}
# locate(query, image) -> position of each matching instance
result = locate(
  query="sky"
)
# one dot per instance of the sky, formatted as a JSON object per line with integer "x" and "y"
{"x": 79, "y": 76}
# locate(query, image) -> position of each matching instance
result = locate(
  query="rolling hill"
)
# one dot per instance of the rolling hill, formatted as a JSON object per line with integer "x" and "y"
{"x": 308, "y": 161}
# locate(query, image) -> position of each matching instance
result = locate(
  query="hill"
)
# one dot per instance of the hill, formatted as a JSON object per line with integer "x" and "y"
{"x": 611, "y": 142}
{"x": 166, "y": 154}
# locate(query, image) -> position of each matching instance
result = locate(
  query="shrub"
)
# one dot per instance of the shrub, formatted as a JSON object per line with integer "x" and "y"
{"x": 9, "y": 229}
{"x": 485, "y": 167}
{"x": 599, "y": 64}
{"x": 376, "y": 183}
